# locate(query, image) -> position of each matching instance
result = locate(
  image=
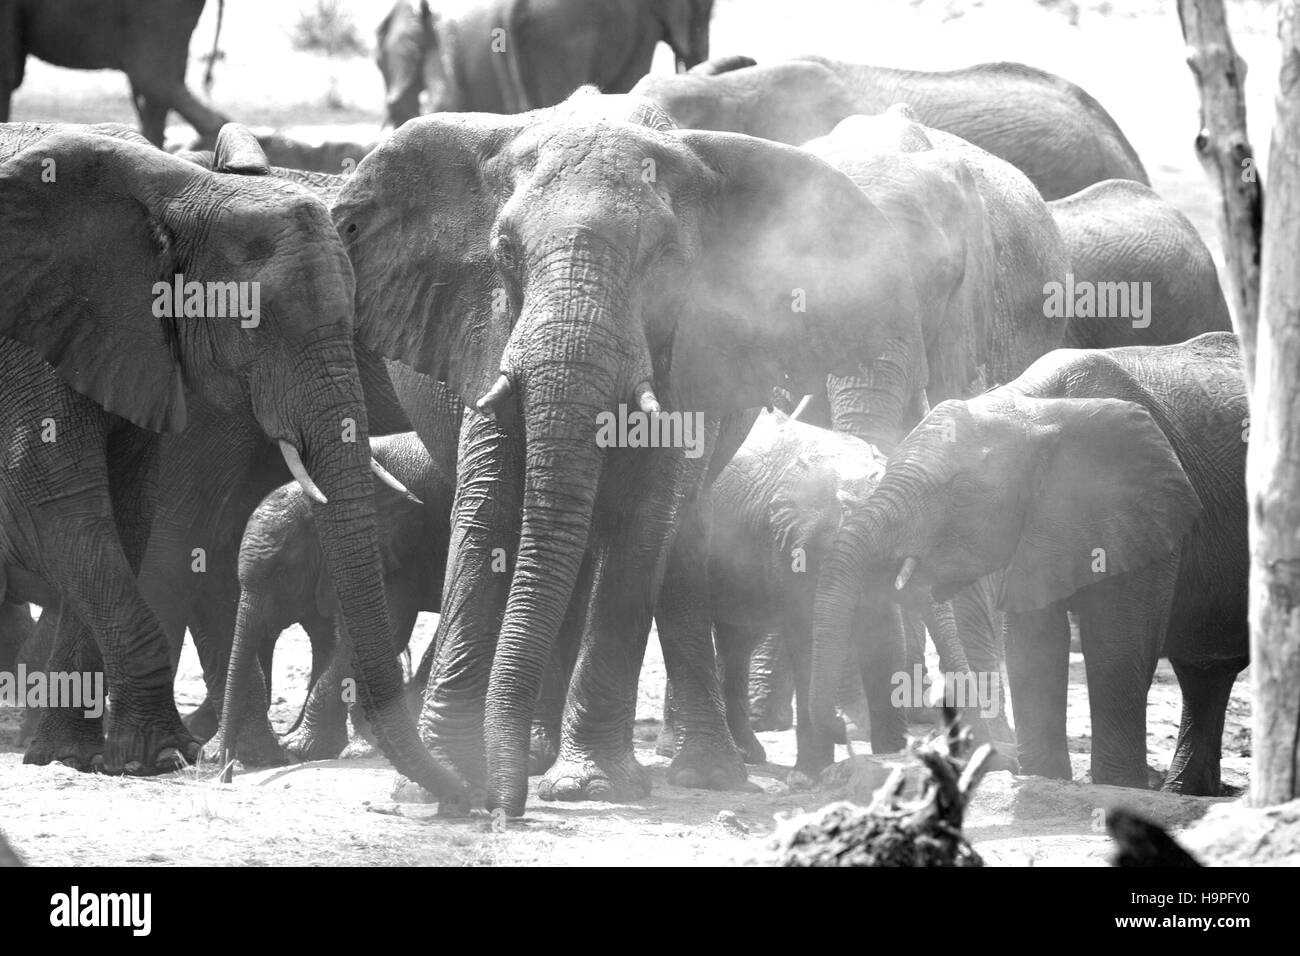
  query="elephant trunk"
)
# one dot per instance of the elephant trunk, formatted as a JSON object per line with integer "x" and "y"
{"x": 840, "y": 585}
{"x": 581, "y": 366}
{"x": 250, "y": 632}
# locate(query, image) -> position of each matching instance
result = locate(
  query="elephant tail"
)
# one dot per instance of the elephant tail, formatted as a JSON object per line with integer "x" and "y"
{"x": 216, "y": 51}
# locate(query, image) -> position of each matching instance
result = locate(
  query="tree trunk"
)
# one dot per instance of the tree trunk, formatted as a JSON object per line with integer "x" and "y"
{"x": 1267, "y": 317}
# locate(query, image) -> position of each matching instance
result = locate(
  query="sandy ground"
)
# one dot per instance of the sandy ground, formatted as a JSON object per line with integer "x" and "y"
{"x": 342, "y": 812}
{"x": 1129, "y": 54}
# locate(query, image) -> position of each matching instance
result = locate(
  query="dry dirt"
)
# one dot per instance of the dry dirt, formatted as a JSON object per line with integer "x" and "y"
{"x": 342, "y": 812}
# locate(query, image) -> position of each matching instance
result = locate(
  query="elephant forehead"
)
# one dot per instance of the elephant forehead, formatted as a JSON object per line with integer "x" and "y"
{"x": 599, "y": 152}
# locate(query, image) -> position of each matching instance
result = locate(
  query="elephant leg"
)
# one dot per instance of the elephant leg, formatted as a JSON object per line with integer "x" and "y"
{"x": 153, "y": 115}
{"x": 1038, "y": 662}
{"x": 35, "y": 654}
{"x": 484, "y": 535}
{"x": 771, "y": 685}
{"x": 735, "y": 644}
{"x": 1206, "y": 688}
{"x": 880, "y": 657}
{"x": 666, "y": 744}
{"x": 154, "y": 95}
{"x": 707, "y": 755}
{"x": 914, "y": 663}
{"x": 212, "y": 626}
{"x": 96, "y": 554}
{"x": 322, "y": 730}
{"x": 1122, "y": 624}
{"x": 980, "y": 631}
{"x": 548, "y": 716}
{"x": 815, "y": 749}
{"x": 65, "y": 734}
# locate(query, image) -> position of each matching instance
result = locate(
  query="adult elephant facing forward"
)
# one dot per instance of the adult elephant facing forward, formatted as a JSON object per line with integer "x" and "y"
{"x": 507, "y": 56}
{"x": 533, "y": 264}
{"x": 84, "y": 254}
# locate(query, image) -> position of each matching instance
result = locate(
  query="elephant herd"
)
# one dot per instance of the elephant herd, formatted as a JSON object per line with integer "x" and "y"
{"x": 1019, "y": 399}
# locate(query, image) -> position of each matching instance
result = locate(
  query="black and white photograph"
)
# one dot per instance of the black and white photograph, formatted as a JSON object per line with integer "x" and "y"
{"x": 650, "y": 433}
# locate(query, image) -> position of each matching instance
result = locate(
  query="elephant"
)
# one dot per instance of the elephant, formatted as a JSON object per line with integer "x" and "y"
{"x": 78, "y": 487}
{"x": 148, "y": 40}
{"x": 284, "y": 581}
{"x": 1110, "y": 483}
{"x": 777, "y": 511}
{"x": 560, "y": 269}
{"x": 212, "y": 476}
{"x": 1119, "y": 231}
{"x": 508, "y": 56}
{"x": 1048, "y": 128}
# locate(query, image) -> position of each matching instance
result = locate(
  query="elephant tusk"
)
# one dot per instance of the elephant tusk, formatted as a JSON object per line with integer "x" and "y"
{"x": 801, "y": 407}
{"x": 299, "y": 472}
{"x": 904, "y": 574}
{"x": 494, "y": 396}
{"x": 383, "y": 475}
{"x": 645, "y": 399}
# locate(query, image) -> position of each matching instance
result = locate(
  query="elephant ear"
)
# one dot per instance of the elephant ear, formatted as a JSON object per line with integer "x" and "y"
{"x": 415, "y": 219}
{"x": 793, "y": 253}
{"x": 238, "y": 151}
{"x": 804, "y": 507}
{"x": 1111, "y": 497}
{"x": 82, "y": 254}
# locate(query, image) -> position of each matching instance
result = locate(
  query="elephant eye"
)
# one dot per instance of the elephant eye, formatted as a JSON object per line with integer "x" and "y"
{"x": 506, "y": 254}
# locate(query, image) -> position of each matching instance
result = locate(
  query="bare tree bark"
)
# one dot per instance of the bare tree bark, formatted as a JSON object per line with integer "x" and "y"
{"x": 1224, "y": 150}
{"x": 1263, "y": 259}
{"x": 1273, "y": 462}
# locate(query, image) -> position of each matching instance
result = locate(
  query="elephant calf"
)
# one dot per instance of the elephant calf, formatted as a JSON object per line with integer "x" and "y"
{"x": 783, "y": 513}
{"x": 284, "y": 581}
{"x": 1110, "y": 483}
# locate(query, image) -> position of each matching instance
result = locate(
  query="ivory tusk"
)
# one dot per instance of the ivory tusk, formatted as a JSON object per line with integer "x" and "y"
{"x": 904, "y": 574}
{"x": 645, "y": 399}
{"x": 494, "y": 396}
{"x": 383, "y": 475}
{"x": 299, "y": 472}
{"x": 801, "y": 407}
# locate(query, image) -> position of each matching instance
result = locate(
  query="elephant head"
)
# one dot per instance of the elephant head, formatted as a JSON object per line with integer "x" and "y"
{"x": 686, "y": 29}
{"x": 1059, "y": 493}
{"x": 555, "y": 265}
{"x": 409, "y": 52}
{"x": 140, "y": 277}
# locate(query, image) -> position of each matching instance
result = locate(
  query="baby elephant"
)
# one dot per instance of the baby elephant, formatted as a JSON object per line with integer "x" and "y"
{"x": 284, "y": 581}
{"x": 785, "y": 559}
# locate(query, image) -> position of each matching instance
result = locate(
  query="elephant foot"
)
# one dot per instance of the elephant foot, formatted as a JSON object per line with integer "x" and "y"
{"x": 543, "y": 749}
{"x": 708, "y": 763}
{"x": 1003, "y": 759}
{"x": 66, "y": 737}
{"x": 27, "y": 729}
{"x": 750, "y": 749}
{"x": 148, "y": 748}
{"x": 315, "y": 743}
{"x": 595, "y": 777}
{"x": 203, "y": 721}
{"x": 666, "y": 743}
{"x": 358, "y": 747}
